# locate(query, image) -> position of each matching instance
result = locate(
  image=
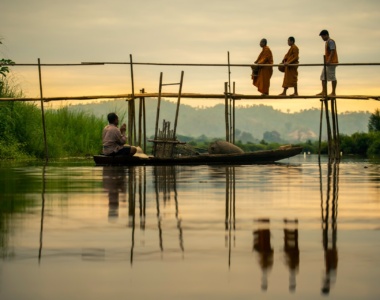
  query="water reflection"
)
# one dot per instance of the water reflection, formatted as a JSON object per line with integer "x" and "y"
{"x": 329, "y": 209}
{"x": 246, "y": 228}
{"x": 230, "y": 210}
{"x": 114, "y": 182}
{"x": 130, "y": 185}
{"x": 165, "y": 186}
{"x": 291, "y": 250}
{"x": 262, "y": 245}
{"x": 43, "y": 191}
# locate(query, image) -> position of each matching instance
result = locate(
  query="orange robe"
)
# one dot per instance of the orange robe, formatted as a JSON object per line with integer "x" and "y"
{"x": 291, "y": 73}
{"x": 262, "y": 80}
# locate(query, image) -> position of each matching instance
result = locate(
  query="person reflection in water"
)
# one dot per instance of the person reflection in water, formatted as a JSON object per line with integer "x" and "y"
{"x": 292, "y": 253}
{"x": 262, "y": 245}
{"x": 114, "y": 181}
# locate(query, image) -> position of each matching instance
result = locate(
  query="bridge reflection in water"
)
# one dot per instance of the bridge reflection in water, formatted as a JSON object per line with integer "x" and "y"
{"x": 130, "y": 184}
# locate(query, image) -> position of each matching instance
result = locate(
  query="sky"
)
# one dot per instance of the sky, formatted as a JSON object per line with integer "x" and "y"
{"x": 192, "y": 31}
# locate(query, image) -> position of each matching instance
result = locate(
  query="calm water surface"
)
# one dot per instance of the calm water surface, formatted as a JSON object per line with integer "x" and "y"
{"x": 292, "y": 230}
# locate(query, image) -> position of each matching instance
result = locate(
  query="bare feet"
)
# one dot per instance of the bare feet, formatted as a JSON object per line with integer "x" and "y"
{"x": 282, "y": 94}
{"x": 264, "y": 94}
{"x": 332, "y": 95}
{"x": 321, "y": 94}
{"x": 295, "y": 94}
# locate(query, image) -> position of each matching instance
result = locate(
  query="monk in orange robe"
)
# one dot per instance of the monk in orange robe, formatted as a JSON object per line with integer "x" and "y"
{"x": 291, "y": 73}
{"x": 261, "y": 78}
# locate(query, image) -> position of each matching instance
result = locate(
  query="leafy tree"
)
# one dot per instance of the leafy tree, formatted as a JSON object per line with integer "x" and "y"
{"x": 374, "y": 148}
{"x": 272, "y": 136}
{"x": 374, "y": 121}
{"x": 4, "y": 69}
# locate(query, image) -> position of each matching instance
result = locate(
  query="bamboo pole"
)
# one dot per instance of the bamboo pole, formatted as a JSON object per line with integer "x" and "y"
{"x": 330, "y": 150}
{"x": 230, "y": 118}
{"x": 129, "y": 126}
{"x": 334, "y": 126}
{"x": 229, "y": 98}
{"x": 158, "y": 113}
{"x": 132, "y": 129}
{"x": 128, "y": 97}
{"x": 320, "y": 133}
{"x": 42, "y": 111}
{"x": 180, "y": 64}
{"x": 233, "y": 114}
{"x": 140, "y": 119}
{"x": 134, "y": 122}
{"x": 222, "y": 65}
{"x": 229, "y": 72}
{"x": 226, "y": 111}
{"x": 337, "y": 127}
{"x": 178, "y": 104}
{"x": 144, "y": 123}
{"x": 329, "y": 138}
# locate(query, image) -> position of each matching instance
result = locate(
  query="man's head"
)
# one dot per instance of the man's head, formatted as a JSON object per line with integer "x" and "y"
{"x": 291, "y": 41}
{"x": 324, "y": 34}
{"x": 263, "y": 42}
{"x": 113, "y": 119}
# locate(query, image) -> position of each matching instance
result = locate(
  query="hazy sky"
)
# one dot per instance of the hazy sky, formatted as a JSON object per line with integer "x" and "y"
{"x": 192, "y": 31}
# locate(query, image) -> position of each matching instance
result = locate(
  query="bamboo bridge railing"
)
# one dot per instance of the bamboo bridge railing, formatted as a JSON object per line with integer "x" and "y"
{"x": 229, "y": 96}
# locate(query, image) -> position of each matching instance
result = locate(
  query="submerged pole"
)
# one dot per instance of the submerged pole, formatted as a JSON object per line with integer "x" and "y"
{"x": 42, "y": 111}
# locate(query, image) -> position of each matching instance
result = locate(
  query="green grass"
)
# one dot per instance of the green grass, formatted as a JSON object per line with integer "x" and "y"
{"x": 68, "y": 133}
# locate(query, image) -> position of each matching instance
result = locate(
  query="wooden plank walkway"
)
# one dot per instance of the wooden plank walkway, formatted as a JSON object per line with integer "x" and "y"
{"x": 192, "y": 96}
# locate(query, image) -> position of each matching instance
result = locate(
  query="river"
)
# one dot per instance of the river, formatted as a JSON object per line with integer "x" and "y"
{"x": 296, "y": 229}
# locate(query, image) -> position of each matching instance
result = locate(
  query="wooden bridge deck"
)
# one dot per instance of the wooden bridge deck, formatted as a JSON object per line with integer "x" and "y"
{"x": 192, "y": 96}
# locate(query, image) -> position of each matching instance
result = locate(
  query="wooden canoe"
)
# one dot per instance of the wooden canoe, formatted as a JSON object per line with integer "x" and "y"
{"x": 257, "y": 157}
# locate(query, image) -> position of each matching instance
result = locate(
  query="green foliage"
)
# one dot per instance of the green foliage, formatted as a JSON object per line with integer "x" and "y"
{"x": 374, "y": 148}
{"x": 374, "y": 121}
{"x": 9, "y": 89}
{"x": 76, "y": 133}
{"x": 5, "y": 69}
{"x": 272, "y": 136}
{"x": 68, "y": 133}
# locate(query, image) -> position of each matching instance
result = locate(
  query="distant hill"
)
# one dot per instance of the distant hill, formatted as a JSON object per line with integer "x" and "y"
{"x": 252, "y": 122}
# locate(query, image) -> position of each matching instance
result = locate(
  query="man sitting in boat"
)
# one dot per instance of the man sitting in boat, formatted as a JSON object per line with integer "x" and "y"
{"x": 114, "y": 139}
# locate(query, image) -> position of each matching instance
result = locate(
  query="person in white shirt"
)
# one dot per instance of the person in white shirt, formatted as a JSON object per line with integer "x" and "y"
{"x": 114, "y": 139}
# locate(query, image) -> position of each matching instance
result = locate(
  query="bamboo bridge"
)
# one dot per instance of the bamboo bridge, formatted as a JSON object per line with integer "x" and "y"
{"x": 229, "y": 95}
